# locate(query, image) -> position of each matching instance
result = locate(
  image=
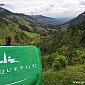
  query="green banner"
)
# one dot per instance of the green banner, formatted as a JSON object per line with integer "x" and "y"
{"x": 20, "y": 65}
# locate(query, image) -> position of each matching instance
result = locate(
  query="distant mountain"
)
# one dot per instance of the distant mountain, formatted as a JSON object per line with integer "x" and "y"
{"x": 64, "y": 20}
{"x": 45, "y": 21}
{"x": 50, "y": 22}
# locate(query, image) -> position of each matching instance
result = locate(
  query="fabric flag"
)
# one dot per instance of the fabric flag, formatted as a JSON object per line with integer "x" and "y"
{"x": 20, "y": 65}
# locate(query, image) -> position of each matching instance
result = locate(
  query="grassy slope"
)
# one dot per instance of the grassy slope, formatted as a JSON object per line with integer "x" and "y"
{"x": 10, "y": 27}
{"x": 35, "y": 37}
{"x": 9, "y": 30}
{"x": 66, "y": 76}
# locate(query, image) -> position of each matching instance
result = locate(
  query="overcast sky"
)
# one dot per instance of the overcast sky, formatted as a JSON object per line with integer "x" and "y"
{"x": 52, "y": 8}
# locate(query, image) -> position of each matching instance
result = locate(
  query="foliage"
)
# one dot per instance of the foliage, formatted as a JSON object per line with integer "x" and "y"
{"x": 60, "y": 48}
{"x": 67, "y": 76}
{"x": 60, "y": 62}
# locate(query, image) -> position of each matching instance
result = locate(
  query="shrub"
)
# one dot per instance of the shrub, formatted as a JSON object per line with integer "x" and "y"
{"x": 59, "y": 63}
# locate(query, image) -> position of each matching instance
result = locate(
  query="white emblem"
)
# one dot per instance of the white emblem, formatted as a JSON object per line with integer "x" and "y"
{"x": 8, "y": 60}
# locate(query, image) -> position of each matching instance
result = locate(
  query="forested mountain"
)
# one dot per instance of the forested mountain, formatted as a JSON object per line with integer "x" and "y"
{"x": 78, "y": 19}
{"x": 21, "y": 29}
{"x": 66, "y": 60}
{"x": 62, "y": 49}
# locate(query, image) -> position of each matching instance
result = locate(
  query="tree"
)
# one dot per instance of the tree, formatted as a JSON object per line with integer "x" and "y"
{"x": 60, "y": 62}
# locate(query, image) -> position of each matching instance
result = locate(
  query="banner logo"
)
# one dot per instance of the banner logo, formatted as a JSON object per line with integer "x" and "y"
{"x": 8, "y": 60}
{"x": 9, "y": 69}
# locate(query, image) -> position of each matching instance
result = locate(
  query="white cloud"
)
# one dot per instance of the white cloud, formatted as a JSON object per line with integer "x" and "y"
{"x": 82, "y": 2}
{"x": 53, "y": 8}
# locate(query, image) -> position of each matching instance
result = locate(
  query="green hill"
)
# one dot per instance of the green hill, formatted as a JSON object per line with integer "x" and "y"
{"x": 65, "y": 59}
{"x": 18, "y": 28}
{"x": 63, "y": 49}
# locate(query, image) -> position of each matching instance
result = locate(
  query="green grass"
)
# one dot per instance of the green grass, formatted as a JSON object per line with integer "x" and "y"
{"x": 13, "y": 26}
{"x": 34, "y": 36}
{"x": 66, "y": 76}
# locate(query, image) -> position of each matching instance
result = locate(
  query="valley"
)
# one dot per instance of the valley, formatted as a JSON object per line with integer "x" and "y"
{"x": 62, "y": 46}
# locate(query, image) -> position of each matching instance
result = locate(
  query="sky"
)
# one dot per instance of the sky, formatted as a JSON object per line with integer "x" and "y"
{"x": 51, "y": 8}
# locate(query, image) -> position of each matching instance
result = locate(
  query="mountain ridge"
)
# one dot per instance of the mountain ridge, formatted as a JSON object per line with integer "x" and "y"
{"x": 48, "y": 21}
{"x": 19, "y": 28}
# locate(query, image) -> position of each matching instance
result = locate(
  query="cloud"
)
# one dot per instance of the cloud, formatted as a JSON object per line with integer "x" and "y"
{"x": 82, "y": 2}
{"x": 53, "y": 8}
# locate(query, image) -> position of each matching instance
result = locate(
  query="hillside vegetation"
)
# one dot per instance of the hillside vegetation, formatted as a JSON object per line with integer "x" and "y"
{"x": 65, "y": 59}
{"x": 18, "y": 28}
{"x": 72, "y": 75}
{"x": 62, "y": 49}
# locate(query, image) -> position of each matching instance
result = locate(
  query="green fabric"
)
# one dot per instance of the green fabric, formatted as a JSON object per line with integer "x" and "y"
{"x": 20, "y": 65}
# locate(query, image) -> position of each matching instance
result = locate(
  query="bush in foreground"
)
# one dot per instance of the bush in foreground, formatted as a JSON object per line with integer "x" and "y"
{"x": 60, "y": 62}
